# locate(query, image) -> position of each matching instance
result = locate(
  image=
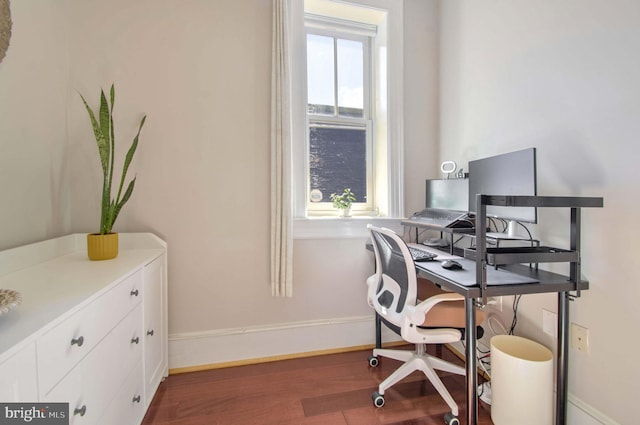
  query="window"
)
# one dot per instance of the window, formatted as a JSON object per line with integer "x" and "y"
{"x": 347, "y": 85}
{"x": 339, "y": 126}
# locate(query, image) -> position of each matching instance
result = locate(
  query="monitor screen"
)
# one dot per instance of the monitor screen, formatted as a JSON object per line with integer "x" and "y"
{"x": 448, "y": 194}
{"x": 511, "y": 173}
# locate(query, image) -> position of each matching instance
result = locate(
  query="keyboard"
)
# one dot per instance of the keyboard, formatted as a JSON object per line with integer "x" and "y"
{"x": 441, "y": 218}
{"x": 420, "y": 255}
{"x": 440, "y": 214}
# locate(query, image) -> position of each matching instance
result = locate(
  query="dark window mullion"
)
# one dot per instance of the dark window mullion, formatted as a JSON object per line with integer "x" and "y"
{"x": 335, "y": 78}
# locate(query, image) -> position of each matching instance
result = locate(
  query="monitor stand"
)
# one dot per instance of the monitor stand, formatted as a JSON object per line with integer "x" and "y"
{"x": 511, "y": 233}
{"x": 436, "y": 242}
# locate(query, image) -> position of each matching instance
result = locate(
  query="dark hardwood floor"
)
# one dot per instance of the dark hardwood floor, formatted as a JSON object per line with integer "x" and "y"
{"x": 331, "y": 389}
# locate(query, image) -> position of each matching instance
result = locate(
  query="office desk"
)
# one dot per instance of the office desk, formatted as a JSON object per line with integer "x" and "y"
{"x": 549, "y": 283}
{"x": 546, "y": 282}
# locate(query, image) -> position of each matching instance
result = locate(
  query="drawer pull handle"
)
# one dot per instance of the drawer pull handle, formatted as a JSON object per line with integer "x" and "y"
{"x": 150, "y": 333}
{"x": 136, "y": 399}
{"x": 81, "y": 411}
{"x": 78, "y": 341}
{"x": 134, "y": 292}
{"x": 135, "y": 340}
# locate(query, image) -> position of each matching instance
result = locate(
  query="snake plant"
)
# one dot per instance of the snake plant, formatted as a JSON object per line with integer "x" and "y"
{"x": 104, "y": 133}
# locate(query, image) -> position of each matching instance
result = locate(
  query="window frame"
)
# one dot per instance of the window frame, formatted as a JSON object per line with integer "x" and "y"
{"x": 388, "y": 16}
{"x": 338, "y": 29}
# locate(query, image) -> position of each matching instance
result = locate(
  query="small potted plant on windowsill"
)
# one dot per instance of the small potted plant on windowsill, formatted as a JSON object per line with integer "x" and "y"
{"x": 104, "y": 244}
{"x": 343, "y": 201}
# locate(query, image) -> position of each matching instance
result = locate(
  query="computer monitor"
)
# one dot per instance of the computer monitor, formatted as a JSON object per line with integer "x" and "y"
{"x": 448, "y": 194}
{"x": 511, "y": 173}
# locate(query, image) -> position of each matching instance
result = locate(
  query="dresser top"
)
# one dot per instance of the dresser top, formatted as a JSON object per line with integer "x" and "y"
{"x": 56, "y": 279}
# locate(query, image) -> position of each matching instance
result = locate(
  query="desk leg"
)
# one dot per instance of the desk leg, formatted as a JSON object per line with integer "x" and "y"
{"x": 378, "y": 331}
{"x": 562, "y": 358}
{"x": 471, "y": 362}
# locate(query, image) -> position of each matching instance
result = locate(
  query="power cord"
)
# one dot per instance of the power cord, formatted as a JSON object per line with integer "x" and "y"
{"x": 514, "y": 322}
{"x": 528, "y": 232}
{"x": 484, "y": 356}
{"x": 484, "y": 389}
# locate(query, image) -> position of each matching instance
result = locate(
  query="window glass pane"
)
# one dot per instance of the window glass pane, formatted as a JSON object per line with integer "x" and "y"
{"x": 320, "y": 75}
{"x": 337, "y": 161}
{"x": 350, "y": 78}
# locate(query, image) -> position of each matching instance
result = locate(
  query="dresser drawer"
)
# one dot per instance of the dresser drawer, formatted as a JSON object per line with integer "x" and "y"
{"x": 90, "y": 386}
{"x": 128, "y": 405}
{"x": 65, "y": 345}
{"x": 18, "y": 379}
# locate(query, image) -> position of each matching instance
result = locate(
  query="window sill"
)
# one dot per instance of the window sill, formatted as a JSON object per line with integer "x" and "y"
{"x": 340, "y": 227}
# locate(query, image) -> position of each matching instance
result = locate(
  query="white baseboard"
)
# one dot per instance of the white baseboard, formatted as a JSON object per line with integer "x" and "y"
{"x": 196, "y": 349}
{"x": 581, "y": 413}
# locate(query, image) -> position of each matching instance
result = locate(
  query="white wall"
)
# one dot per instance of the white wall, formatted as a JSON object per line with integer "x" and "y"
{"x": 200, "y": 70}
{"x": 421, "y": 50}
{"x": 34, "y": 182}
{"x": 563, "y": 77}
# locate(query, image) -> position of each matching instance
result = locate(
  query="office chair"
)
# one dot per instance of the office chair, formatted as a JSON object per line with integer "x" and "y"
{"x": 392, "y": 293}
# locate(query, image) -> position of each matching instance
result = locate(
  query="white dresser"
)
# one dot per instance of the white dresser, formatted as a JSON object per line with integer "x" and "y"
{"x": 90, "y": 333}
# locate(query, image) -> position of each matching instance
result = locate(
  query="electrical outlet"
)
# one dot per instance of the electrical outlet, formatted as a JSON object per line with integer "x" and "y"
{"x": 495, "y": 303}
{"x": 579, "y": 338}
{"x": 550, "y": 323}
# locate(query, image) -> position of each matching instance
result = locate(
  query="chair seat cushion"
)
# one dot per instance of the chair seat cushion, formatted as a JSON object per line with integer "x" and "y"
{"x": 449, "y": 314}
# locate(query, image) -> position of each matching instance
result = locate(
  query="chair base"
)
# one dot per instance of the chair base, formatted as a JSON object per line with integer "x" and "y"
{"x": 420, "y": 360}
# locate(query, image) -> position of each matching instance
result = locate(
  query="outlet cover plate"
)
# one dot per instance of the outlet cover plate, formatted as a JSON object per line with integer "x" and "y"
{"x": 579, "y": 338}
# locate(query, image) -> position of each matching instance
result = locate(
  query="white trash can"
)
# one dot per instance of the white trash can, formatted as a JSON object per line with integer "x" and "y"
{"x": 521, "y": 382}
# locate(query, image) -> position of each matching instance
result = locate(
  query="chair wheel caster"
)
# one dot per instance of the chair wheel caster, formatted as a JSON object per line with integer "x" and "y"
{"x": 378, "y": 399}
{"x": 450, "y": 419}
{"x": 373, "y": 361}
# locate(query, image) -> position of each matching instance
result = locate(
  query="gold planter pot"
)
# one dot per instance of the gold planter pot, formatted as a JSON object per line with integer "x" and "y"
{"x": 102, "y": 247}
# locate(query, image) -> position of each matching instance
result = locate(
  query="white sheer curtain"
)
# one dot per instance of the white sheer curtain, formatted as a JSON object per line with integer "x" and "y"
{"x": 281, "y": 201}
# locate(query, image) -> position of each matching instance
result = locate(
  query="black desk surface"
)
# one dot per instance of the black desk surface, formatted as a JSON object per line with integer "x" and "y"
{"x": 513, "y": 279}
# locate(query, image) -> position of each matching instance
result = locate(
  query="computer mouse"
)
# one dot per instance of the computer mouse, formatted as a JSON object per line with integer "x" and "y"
{"x": 451, "y": 265}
